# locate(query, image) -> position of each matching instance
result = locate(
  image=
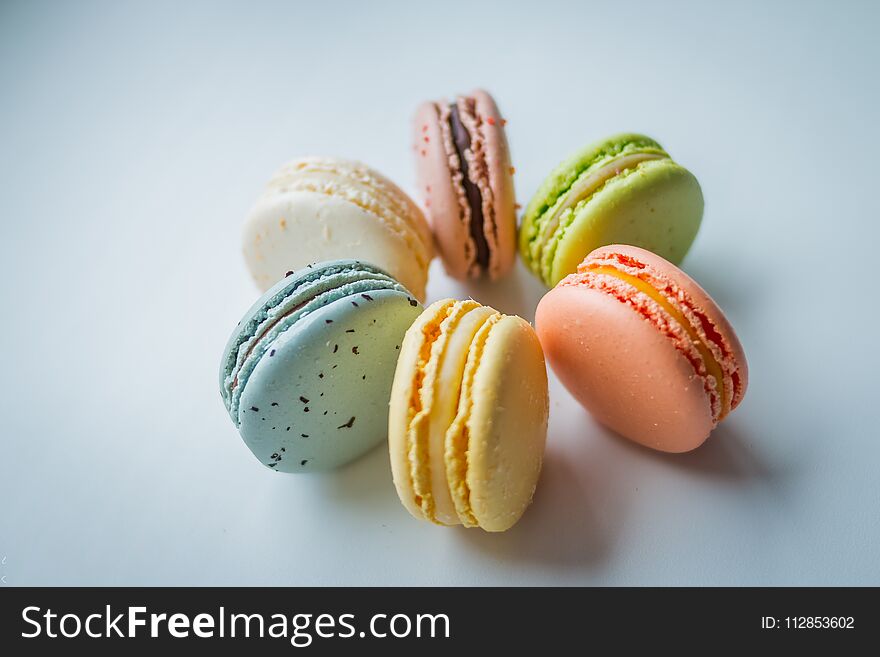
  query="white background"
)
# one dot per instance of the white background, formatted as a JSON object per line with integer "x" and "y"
{"x": 135, "y": 137}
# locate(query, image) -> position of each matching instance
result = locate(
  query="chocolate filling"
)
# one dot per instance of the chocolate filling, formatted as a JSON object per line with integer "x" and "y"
{"x": 462, "y": 141}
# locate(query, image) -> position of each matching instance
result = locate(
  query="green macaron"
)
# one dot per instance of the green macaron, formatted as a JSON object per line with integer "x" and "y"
{"x": 622, "y": 190}
{"x": 306, "y": 375}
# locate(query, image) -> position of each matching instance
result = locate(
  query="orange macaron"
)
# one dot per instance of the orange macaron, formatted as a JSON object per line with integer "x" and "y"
{"x": 643, "y": 347}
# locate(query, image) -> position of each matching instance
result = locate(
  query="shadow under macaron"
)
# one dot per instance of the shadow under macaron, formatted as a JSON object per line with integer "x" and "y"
{"x": 364, "y": 483}
{"x": 587, "y": 488}
{"x": 561, "y": 526}
{"x": 517, "y": 293}
{"x": 725, "y": 456}
{"x": 579, "y": 505}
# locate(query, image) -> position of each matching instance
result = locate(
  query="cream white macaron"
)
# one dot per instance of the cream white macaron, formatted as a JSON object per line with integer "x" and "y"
{"x": 321, "y": 208}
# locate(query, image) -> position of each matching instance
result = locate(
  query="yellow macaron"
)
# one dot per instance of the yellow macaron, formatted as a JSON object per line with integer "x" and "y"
{"x": 468, "y": 416}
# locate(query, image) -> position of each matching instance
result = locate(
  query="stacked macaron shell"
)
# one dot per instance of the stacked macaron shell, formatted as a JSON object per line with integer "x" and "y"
{"x": 468, "y": 416}
{"x": 643, "y": 347}
{"x": 622, "y": 190}
{"x": 307, "y": 374}
{"x": 465, "y": 176}
{"x": 319, "y": 208}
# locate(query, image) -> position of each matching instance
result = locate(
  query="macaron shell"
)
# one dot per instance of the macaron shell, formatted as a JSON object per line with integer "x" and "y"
{"x": 507, "y": 427}
{"x": 657, "y": 206}
{"x": 430, "y": 406}
{"x": 501, "y": 182}
{"x": 698, "y": 296}
{"x": 408, "y": 371}
{"x": 556, "y": 187}
{"x": 282, "y": 306}
{"x": 321, "y": 398}
{"x": 361, "y": 185}
{"x": 286, "y": 232}
{"x": 636, "y": 382}
{"x": 442, "y": 196}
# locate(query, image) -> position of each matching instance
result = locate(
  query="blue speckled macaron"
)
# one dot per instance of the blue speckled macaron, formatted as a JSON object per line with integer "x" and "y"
{"x": 306, "y": 377}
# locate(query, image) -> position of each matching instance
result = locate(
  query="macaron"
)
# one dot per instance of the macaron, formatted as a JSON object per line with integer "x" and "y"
{"x": 307, "y": 373}
{"x": 643, "y": 347}
{"x": 322, "y": 208}
{"x": 623, "y": 190}
{"x": 468, "y": 416}
{"x": 466, "y": 179}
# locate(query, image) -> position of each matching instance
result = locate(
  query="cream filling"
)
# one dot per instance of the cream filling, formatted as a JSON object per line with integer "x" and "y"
{"x": 427, "y": 407}
{"x": 457, "y": 178}
{"x": 417, "y": 447}
{"x": 447, "y": 391}
{"x": 478, "y": 172}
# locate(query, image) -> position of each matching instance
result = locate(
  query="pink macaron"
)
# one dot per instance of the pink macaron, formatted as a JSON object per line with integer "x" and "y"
{"x": 466, "y": 180}
{"x": 643, "y": 347}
